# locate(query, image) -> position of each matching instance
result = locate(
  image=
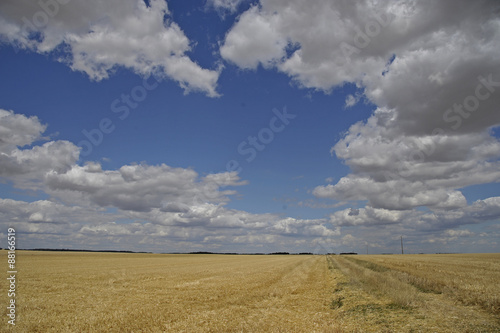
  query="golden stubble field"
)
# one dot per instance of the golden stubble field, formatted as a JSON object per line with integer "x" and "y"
{"x": 123, "y": 292}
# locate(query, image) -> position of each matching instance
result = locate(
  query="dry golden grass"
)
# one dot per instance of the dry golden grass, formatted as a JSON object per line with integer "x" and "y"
{"x": 113, "y": 292}
{"x": 388, "y": 287}
{"x": 377, "y": 281}
{"x": 473, "y": 279}
{"x": 117, "y": 292}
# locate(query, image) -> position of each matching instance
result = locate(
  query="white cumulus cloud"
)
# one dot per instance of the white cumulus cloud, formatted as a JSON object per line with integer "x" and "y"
{"x": 96, "y": 37}
{"x": 88, "y": 206}
{"x": 431, "y": 68}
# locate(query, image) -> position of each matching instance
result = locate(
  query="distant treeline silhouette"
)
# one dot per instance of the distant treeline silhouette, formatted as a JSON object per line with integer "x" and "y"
{"x": 273, "y": 253}
{"x": 197, "y": 252}
{"x": 80, "y": 250}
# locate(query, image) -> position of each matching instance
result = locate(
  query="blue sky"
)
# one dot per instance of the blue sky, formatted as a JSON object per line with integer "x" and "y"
{"x": 237, "y": 126}
{"x": 193, "y": 130}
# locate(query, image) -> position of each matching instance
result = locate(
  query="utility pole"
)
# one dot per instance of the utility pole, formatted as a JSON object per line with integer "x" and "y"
{"x": 402, "y": 252}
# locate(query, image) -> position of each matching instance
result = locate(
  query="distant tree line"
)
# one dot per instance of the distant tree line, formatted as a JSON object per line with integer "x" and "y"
{"x": 273, "y": 253}
{"x": 80, "y": 250}
{"x": 196, "y": 252}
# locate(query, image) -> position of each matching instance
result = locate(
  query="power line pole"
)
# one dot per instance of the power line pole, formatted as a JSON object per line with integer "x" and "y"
{"x": 402, "y": 252}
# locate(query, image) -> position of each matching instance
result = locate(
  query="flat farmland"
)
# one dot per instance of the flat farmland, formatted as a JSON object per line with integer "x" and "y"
{"x": 124, "y": 292}
{"x": 418, "y": 293}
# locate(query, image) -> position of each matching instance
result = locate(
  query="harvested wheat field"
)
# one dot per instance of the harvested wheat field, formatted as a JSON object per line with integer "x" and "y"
{"x": 124, "y": 292}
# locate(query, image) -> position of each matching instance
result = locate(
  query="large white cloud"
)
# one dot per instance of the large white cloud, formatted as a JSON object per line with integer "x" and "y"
{"x": 140, "y": 187}
{"x": 27, "y": 167}
{"x": 208, "y": 226}
{"x": 477, "y": 212}
{"x": 88, "y": 206}
{"x": 18, "y": 130}
{"x": 411, "y": 171}
{"x": 431, "y": 68}
{"x": 48, "y": 212}
{"x": 303, "y": 39}
{"x": 53, "y": 167}
{"x": 330, "y": 42}
{"x": 379, "y": 229}
{"x": 96, "y": 37}
{"x": 254, "y": 40}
